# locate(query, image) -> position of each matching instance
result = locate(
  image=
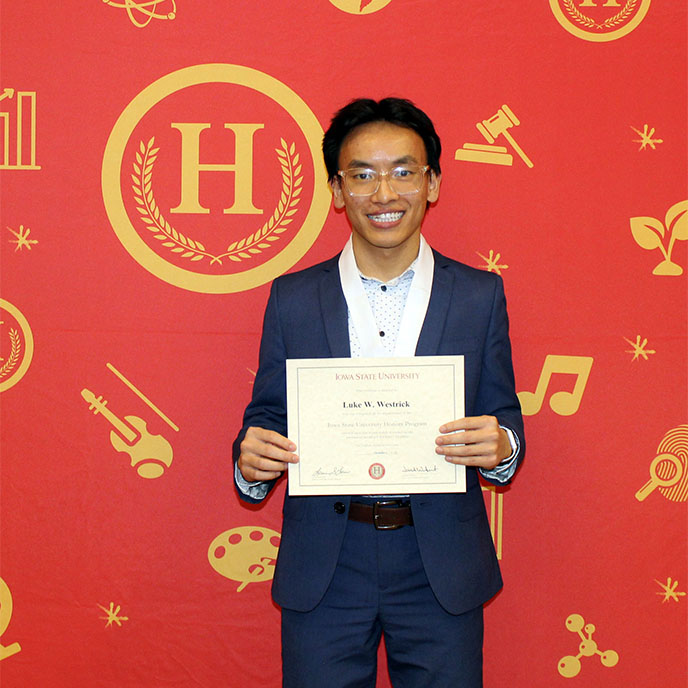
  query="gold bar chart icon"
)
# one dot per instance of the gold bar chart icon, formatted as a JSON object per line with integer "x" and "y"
{"x": 25, "y": 131}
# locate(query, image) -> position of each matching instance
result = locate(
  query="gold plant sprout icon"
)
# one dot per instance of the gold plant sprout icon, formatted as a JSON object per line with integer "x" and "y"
{"x": 649, "y": 233}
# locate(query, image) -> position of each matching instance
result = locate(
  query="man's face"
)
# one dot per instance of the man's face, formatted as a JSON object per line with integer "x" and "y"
{"x": 386, "y": 219}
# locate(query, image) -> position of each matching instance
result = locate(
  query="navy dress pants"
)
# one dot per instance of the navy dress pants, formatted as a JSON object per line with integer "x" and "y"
{"x": 380, "y": 589}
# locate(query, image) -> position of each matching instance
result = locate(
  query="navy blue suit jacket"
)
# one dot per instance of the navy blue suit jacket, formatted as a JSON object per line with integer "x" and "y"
{"x": 306, "y": 317}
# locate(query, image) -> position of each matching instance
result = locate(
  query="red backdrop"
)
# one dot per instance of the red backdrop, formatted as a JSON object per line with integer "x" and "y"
{"x": 135, "y": 273}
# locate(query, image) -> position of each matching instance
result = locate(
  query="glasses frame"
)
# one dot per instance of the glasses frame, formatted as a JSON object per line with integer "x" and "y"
{"x": 342, "y": 174}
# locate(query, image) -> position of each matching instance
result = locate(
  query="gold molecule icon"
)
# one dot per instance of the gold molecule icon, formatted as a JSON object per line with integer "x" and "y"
{"x": 246, "y": 554}
{"x": 570, "y": 666}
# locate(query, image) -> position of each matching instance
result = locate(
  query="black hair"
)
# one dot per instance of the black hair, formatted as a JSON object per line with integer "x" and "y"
{"x": 398, "y": 111}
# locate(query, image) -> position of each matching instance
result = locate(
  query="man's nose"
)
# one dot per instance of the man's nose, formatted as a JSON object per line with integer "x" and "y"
{"x": 385, "y": 192}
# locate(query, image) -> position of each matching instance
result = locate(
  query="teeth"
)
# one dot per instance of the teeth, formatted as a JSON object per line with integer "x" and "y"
{"x": 386, "y": 217}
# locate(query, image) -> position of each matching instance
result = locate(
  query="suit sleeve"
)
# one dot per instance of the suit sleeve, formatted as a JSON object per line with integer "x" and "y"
{"x": 497, "y": 390}
{"x": 268, "y": 406}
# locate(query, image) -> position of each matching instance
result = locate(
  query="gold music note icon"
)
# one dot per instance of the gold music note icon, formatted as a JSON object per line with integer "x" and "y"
{"x": 563, "y": 403}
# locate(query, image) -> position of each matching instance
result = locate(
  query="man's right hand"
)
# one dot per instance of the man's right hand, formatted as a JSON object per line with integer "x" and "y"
{"x": 265, "y": 454}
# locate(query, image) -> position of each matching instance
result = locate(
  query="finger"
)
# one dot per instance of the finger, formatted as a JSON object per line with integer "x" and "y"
{"x": 488, "y": 462}
{"x": 463, "y": 450}
{"x": 468, "y": 423}
{"x": 471, "y": 437}
{"x": 252, "y": 474}
{"x": 258, "y": 444}
{"x": 255, "y": 467}
{"x": 271, "y": 437}
{"x": 268, "y": 451}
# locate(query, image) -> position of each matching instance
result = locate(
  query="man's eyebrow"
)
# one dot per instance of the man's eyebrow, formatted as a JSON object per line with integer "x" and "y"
{"x": 403, "y": 160}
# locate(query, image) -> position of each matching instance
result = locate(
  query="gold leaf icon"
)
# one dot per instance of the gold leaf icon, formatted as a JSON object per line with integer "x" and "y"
{"x": 649, "y": 233}
{"x": 677, "y": 220}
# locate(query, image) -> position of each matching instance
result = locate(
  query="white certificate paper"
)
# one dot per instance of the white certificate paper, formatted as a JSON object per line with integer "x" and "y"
{"x": 368, "y": 425}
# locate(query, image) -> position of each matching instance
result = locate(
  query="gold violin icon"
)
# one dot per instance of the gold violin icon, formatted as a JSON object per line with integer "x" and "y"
{"x": 150, "y": 454}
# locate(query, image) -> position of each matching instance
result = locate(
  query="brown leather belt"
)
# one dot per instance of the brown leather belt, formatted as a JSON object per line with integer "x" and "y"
{"x": 384, "y": 515}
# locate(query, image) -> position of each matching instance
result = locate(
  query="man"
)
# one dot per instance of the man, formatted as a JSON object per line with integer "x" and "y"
{"x": 341, "y": 581}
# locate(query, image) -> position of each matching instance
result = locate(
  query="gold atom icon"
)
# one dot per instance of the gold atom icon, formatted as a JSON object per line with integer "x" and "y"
{"x": 142, "y": 13}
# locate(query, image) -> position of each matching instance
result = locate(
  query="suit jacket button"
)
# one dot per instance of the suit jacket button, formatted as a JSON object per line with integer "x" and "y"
{"x": 339, "y": 508}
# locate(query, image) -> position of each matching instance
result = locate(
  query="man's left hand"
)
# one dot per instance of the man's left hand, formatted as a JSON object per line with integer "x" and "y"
{"x": 474, "y": 441}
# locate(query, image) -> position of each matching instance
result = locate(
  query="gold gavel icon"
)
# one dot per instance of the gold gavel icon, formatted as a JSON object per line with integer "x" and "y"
{"x": 500, "y": 124}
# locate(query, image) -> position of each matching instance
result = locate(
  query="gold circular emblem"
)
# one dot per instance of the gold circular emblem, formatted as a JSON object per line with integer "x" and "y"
{"x": 15, "y": 328}
{"x": 163, "y": 237}
{"x": 360, "y": 6}
{"x": 599, "y": 20}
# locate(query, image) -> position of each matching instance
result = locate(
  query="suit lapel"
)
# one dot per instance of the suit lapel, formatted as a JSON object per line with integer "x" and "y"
{"x": 335, "y": 315}
{"x": 334, "y": 312}
{"x": 440, "y": 298}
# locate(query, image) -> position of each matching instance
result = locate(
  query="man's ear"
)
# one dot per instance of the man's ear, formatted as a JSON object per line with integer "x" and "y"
{"x": 337, "y": 193}
{"x": 434, "y": 181}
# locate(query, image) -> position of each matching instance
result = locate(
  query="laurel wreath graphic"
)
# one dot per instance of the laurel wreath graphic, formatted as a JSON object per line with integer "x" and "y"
{"x": 194, "y": 250}
{"x": 12, "y": 361}
{"x": 588, "y": 22}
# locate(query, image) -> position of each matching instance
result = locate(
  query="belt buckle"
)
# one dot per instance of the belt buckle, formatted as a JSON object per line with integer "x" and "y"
{"x": 376, "y": 515}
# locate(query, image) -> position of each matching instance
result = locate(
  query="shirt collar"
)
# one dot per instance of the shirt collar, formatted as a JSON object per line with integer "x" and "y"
{"x": 405, "y": 276}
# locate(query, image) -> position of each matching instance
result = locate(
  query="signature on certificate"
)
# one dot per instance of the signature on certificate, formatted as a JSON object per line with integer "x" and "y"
{"x": 419, "y": 469}
{"x": 334, "y": 472}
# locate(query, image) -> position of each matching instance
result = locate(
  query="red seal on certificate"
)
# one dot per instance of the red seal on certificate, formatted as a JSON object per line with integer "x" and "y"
{"x": 376, "y": 471}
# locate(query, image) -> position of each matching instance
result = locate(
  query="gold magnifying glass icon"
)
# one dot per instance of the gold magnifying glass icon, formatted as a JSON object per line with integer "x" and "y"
{"x": 665, "y": 471}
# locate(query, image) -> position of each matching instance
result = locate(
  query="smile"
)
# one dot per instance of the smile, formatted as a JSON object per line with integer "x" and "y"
{"x": 386, "y": 217}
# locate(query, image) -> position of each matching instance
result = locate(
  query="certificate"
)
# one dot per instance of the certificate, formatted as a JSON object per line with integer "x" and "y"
{"x": 368, "y": 425}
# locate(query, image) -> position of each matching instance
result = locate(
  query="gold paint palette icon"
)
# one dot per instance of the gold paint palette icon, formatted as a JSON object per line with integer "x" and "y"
{"x": 246, "y": 554}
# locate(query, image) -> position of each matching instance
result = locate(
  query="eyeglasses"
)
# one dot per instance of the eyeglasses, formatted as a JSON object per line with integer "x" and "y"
{"x": 404, "y": 179}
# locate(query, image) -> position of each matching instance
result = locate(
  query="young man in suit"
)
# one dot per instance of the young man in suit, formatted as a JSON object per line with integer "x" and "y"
{"x": 416, "y": 569}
